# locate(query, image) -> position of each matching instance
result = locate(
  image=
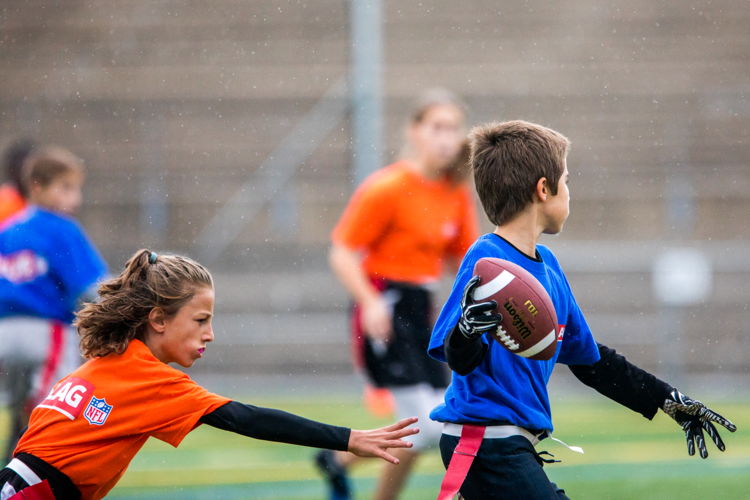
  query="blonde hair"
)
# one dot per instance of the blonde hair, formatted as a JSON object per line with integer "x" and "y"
{"x": 459, "y": 169}
{"x": 434, "y": 97}
{"x": 121, "y": 313}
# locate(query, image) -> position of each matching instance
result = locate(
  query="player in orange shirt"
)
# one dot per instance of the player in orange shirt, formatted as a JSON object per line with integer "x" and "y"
{"x": 12, "y": 200}
{"x": 12, "y": 191}
{"x": 82, "y": 437}
{"x": 389, "y": 247}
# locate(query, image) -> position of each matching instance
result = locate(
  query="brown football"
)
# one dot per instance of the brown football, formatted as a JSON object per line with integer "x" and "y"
{"x": 529, "y": 327}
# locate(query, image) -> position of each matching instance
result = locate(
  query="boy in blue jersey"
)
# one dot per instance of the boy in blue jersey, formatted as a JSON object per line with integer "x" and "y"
{"x": 497, "y": 408}
{"x": 47, "y": 265}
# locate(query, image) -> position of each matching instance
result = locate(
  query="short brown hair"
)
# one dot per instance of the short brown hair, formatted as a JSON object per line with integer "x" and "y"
{"x": 42, "y": 168}
{"x": 121, "y": 313}
{"x": 508, "y": 159}
{"x": 458, "y": 171}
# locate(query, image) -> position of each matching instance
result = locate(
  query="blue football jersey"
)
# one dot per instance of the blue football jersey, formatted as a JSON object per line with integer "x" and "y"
{"x": 46, "y": 264}
{"x": 506, "y": 388}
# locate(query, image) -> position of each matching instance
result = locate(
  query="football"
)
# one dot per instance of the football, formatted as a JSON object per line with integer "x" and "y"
{"x": 529, "y": 327}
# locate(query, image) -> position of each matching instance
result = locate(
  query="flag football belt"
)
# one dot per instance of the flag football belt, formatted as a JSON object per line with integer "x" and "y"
{"x": 41, "y": 478}
{"x": 38, "y": 489}
{"x": 470, "y": 439}
{"x": 494, "y": 432}
{"x": 24, "y": 471}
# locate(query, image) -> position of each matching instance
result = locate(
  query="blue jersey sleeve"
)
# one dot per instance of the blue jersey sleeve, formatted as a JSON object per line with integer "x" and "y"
{"x": 578, "y": 344}
{"x": 76, "y": 262}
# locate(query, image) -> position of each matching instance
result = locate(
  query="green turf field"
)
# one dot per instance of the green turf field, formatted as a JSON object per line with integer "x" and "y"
{"x": 626, "y": 457}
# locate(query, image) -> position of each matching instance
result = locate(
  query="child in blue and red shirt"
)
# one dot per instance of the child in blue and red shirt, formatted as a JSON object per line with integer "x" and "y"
{"x": 497, "y": 408}
{"x": 47, "y": 265}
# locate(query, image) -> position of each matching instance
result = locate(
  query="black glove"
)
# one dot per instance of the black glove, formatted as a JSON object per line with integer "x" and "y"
{"x": 694, "y": 417}
{"x": 477, "y": 319}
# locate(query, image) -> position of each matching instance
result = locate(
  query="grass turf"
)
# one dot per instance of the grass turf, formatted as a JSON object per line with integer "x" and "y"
{"x": 626, "y": 457}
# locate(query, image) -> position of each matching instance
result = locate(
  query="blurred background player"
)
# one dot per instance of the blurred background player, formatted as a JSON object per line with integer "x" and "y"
{"x": 158, "y": 311}
{"x": 12, "y": 201}
{"x": 399, "y": 228}
{"x": 12, "y": 191}
{"x": 47, "y": 264}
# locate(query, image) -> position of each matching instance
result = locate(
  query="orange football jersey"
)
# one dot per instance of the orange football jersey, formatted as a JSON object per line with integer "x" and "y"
{"x": 95, "y": 420}
{"x": 406, "y": 225}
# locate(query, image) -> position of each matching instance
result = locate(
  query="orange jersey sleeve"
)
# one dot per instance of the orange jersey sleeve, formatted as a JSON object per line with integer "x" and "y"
{"x": 94, "y": 421}
{"x": 368, "y": 213}
{"x": 180, "y": 417}
{"x": 11, "y": 202}
{"x": 406, "y": 225}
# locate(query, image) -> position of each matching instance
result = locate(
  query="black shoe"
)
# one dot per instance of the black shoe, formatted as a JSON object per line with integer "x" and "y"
{"x": 334, "y": 474}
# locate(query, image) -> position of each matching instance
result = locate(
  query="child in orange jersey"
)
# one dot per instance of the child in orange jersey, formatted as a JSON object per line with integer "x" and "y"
{"x": 12, "y": 192}
{"x": 82, "y": 437}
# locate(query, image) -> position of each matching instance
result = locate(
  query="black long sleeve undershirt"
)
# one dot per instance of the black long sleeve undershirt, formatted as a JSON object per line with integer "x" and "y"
{"x": 613, "y": 375}
{"x": 276, "y": 425}
{"x": 623, "y": 382}
{"x": 463, "y": 354}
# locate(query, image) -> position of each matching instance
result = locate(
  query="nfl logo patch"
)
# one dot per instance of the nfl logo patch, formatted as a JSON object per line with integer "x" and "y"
{"x": 97, "y": 411}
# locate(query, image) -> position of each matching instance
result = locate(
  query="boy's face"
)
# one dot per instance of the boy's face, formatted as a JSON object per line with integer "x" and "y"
{"x": 557, "y": 207}
{"x": 63, "y": 194}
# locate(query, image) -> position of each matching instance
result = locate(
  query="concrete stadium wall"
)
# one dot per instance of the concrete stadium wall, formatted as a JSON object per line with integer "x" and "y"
{"x": 175, "y": 104}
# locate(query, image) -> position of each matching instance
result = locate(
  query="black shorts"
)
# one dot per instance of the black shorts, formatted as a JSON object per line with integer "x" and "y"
{"x": 61, "y": 485}
{"x": 403, "y": 360}
{"x": 504, "y": 469}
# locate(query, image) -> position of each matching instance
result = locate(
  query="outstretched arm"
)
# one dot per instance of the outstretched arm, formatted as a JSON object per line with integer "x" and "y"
{"x": 276, "y": 425}
{"x": 623, "y": 382}
{"x": 618, "y": 379}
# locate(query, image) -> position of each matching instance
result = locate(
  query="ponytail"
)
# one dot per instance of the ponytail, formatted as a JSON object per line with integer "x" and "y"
{"x": 459, "y": 169}
{"x": 120, "y": 315}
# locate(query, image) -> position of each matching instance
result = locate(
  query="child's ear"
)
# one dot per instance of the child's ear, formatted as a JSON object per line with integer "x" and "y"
{"x": 542, "y": 190}
{"x": 157, "y": 319}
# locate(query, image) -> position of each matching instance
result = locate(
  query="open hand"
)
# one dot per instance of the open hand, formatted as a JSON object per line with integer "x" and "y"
{"x": 377, "y": 320}
{"x": 694, "y": 417}
{"x": 375, "y": 442}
